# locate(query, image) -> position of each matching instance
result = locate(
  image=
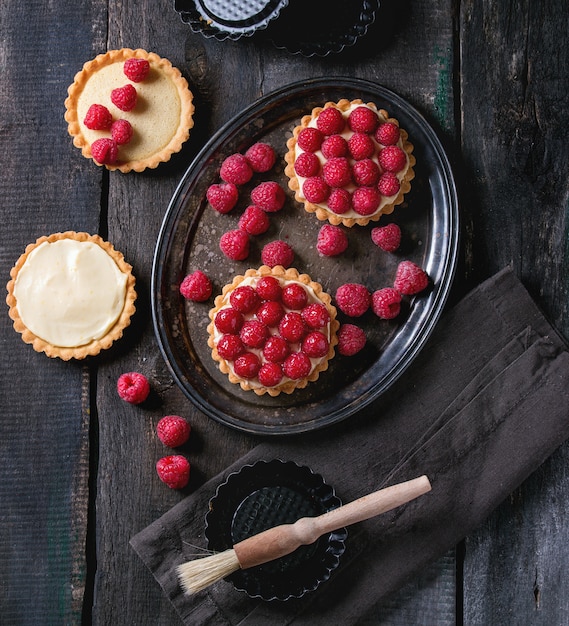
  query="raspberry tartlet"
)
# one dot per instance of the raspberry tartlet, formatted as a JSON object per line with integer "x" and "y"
{"x": 349, "y": 162}
{"x": 273, "y": 330}
{"x": 129, "y": 110}
{"x": 71, "y": 295}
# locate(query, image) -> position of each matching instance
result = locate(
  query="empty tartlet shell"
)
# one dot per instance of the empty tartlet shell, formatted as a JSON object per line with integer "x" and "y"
{"x": 290, "y": 274}
{"x": 95, "y": 346}
{"x": 324, "y": 214}
{"x": 157, "y": 63}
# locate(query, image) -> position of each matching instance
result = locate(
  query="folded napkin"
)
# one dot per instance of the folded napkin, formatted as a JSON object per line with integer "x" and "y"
{"x": 477, "y": 412}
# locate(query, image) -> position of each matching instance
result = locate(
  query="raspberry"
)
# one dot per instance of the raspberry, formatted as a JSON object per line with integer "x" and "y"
{"x": 244, "y": 299}
{"x": 334, "y": 146}
{"x": 351, "y": 339}
{"x": 269, "y": 196}
{"x": 196, "y": 287}
{"x": 332, "y": 240}
{"x": 366, "y": 173}
{"x": 270, "y": 374}
{"x": 247, "y": 365}
{"x": 121, "y": 131}
{"x": 277, "y": 253}
{"x": 228, "y": 320}
{"x": 174, "y": 471}
{"x": 235, "y": 244}
{"x": 388, "y": 184}
{"x": 294, "y": 296}
{"x": 361, "y": 146}
{"x": 269, "y": 288}
{"x": 387, "y": 134}
{"x": 307, "y": 164}
{"x": 236, "y": 169}
{"x": 392, "y": 159}
{"x": 276, "y": 349}
{"x": 270, "y": 313}
{"x": 136, "y": 69}
{"x": 410, "y": 278}
{"x": 339, "y": 201}
{"x": 173, "y": 431}
{"x": 330, "y": 121}
{"x": 309, "y": 139}
{"x": 261, "y": 157}
{"x": 98, "y": 117}
{"x": 133, "y": 387}
{"x": 353, "y": 299}
{"x": 337, "y": 172}
{"x": 388, "y": 237}
{"x": 229, "y": 347}
{"x": 315, "y": 315}
{"x": 363, "y": 120}
{"x": 386, "y": 303}
{"x": 124, "y": 98}
{"x": 315, "y": 189}
{"x": 222, "y": 196}
{"x": 105, "y": 151}
{"x": 297, "y": 365}
{"x": 315, "y": 344}
{"x": 253, "y": 333}
{"x": 254, "y": 221}
{"x": 366, "y": 200}
{"x": 292, "y": 327}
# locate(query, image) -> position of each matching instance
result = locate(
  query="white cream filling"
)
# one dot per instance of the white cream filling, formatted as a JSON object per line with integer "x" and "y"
{"x": 70, "y": 292}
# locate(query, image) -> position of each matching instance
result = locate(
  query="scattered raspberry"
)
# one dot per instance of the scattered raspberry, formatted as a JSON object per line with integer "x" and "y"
{"x": 315, "y": 344}
{"x": 332, "y": 240}
{"x": 363, "y": 120}
{"x": 307, "y": 164}
{"x": 136, "y": 69}
{"x": 334, "y": 146}
{"x": 236, "y": 169}
{"x": 351, "y": 339}
{"x": 366, "y": 173}
{"x": 196, "y": 287}
{"x": 387, "y": 134}
{"x": 247, "y": 365}
{"x": 294, "y": 296}
{"x": 254, "y": 221}
{"x": 387, "y": 238}
{"x": 261, "y": 157}
{"x": 173, "y": 431}
{"x": 392, "y": 159}
{"x": 98, "y": 117}
{"x": 276, "y": 349}
{"x": 277, "y": 253}
{"x": 124, "y": 98}
{"x": 353, "y": 299}
{"x": 235, "y": 244}
{"x": 270, "y": 374}
{"x": 386, "y": 303}
{"x": 222, "y": 196}
{"x": 361, "y": 146}
{"x": 105, "y": 151}
{"x": 410, "y": 278}
{"x": 366, "y": 200}
{"x": 315, "y": 189}
{"x": 337, "y": 172}
{"x": 253, "y": 333}
{"x": 297, "y": 365}
{"x": 270, "y": 313}
{"x": 174, "y": 471}
{"x": 340, "y": 201}
{"x": 330, "y": 121}
{"x": 292, "y": 327}
{"x": 228, "y": 320}
{"x": 121, "y": 131}
{"x": 315, "y": 315}
{"x": 269, "y": 288}
{"x": 309, "y": 139}
{"x": 269, "y": 196}
{"x": 229, "y": 347}
{"x": 133, "y": 387}
{"x": 388, "y": 184}
{"x": 244, "y": 299}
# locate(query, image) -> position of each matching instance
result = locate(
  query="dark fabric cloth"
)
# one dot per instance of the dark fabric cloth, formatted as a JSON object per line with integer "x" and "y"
{"x": 478, "y": 411}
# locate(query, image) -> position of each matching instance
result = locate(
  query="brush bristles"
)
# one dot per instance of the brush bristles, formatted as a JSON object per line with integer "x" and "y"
{"x": 201, "y": 573}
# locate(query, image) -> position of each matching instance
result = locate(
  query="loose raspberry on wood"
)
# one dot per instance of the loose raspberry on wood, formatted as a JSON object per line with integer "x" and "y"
{"x": 222, "y": 196}
{"x": 332, "y": 240}
{"x": 353, "y": 299}
{"x": 351, "y": 339}
{"x": 277, "y": 253}
{"x": 261, "y": 157}
{"x": 254, "y": 221}
{"x": 410, "y": 279}
{"x": 386, "y": 303}
{"x": 387, "y": 237}
{"x": 133, "y": 387}
{"x": 174, "y": 471}
{"x": 173, "y": 431}
{"x": 269, "y": 196}
{"x": 236, "y": 169}
{"x": 235, "y": 244}
{"x": 196, "y": 287}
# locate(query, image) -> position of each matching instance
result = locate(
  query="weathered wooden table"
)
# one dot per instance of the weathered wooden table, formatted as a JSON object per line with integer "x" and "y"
{"x": 77, "y": 463}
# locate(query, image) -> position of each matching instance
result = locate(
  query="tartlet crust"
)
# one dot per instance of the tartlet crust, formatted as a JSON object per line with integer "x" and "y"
{"x": 156, "y": 62}
{"x": 290, "y": 274}
{"x": 324, "y": 214}
{"x": 95, "y": 346}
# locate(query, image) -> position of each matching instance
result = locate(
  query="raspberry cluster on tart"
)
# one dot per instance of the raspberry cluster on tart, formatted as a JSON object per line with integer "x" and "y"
{"x": 348, "y": 162}
{"x": 272, "y": 330}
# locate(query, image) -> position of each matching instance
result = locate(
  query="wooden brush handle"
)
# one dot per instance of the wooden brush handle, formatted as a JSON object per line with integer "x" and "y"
{"x": 282, "y": 540}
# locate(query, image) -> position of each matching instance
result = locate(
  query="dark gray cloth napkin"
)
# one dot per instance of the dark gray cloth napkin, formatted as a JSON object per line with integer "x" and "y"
{"x": 479, "y": 410}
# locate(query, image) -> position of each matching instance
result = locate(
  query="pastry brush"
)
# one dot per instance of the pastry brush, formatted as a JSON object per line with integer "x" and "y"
{"x": 284, "y": 539}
